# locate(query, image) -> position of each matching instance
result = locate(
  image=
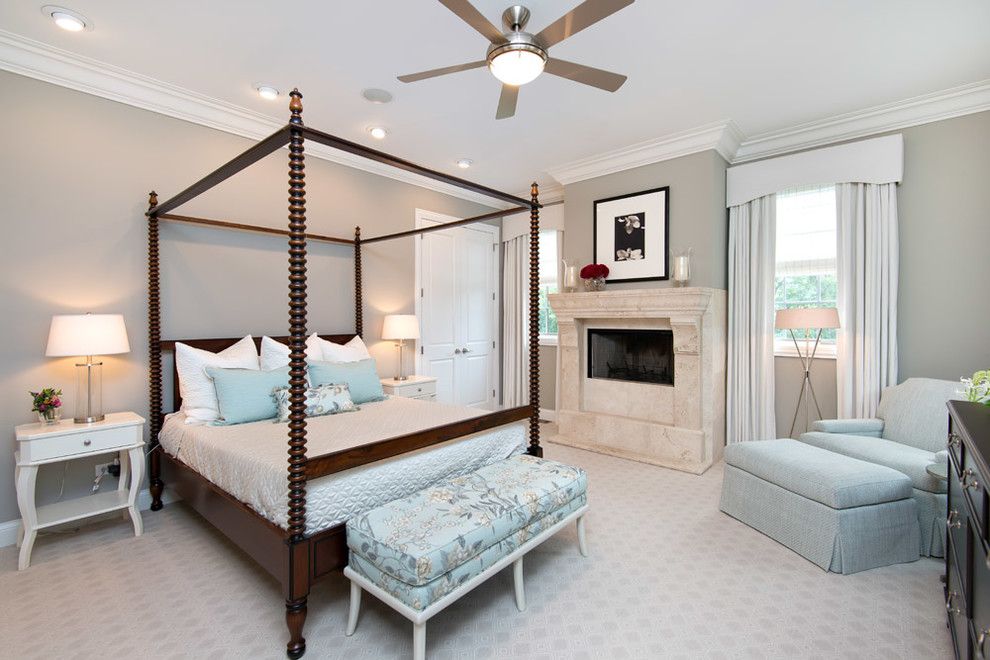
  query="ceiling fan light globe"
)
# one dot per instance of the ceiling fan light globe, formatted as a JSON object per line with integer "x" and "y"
{"x": 517, "y": 67}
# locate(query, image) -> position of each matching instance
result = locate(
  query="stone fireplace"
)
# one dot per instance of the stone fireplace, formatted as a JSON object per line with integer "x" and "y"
{"x": 642, "y": 374}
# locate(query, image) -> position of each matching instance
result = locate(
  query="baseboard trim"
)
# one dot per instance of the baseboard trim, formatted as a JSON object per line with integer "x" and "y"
{"x": 8, "y": 530}
{"x": 549, "y": 414}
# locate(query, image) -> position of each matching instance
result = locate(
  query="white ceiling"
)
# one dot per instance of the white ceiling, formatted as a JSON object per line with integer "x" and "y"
{"x": 765, "y": 64}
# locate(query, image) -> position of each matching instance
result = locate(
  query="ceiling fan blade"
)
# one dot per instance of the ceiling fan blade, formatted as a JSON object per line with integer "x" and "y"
{"x": 433, "y": 73}
{"x": 584, "y": 15}
{"x": 467, "y": 13}
{"x": 507, "y": 102}
{"x": 587, "y": 75}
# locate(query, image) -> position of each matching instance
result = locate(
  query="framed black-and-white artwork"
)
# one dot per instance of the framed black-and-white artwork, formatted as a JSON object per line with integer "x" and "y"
{"x": 631, "y": 235}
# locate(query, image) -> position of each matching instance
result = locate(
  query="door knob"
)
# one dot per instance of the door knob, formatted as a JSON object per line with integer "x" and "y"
{"x": 465, "y": 350}
{"x": 457, "y": 351}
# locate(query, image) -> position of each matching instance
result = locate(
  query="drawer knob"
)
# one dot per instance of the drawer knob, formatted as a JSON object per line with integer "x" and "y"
{"x": 980, "y": 640}
{"x": 965, "y": 483}
{"x": 948, "y": 604}
{"x": 954, "y": 440}
{"x": 87, "y": 442}
{"x": 419, "y": 389}
{"x": 951, "y": 521}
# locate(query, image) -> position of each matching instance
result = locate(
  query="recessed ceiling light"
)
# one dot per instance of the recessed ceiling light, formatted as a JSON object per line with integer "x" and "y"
{"x": 67, "y": 19}
{"x": 465, "y": 163}
{"x": 377, "y": 95}
{"x": 267, "y": 92}
{"x": 378, "y": 132}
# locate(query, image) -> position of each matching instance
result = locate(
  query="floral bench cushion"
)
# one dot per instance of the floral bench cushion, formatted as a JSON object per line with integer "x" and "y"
{"x": 421, "y": 537}
{"x": 420, "y": 597}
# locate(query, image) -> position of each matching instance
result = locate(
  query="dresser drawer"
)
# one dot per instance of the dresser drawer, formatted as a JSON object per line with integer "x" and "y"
{"x": 973, "y": 485}
{"x": 957, "y": 521}
{"x": 426, "y": 397}
{"x": 955, "y": 608}
{"x": 42, "y": 449}
{"x": 955, "y": 446}
{"x": 980, "y": 604}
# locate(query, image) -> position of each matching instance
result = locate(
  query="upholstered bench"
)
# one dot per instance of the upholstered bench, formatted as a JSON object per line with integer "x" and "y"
{"x": 843, "y": 514}
{"x": 422, "y": 553}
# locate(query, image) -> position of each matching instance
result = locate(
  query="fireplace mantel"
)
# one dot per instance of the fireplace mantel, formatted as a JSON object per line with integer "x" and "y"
{"x": 680, "y": 426}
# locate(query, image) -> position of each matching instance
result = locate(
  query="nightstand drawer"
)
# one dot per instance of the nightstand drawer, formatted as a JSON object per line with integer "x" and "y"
{"x": 416, "y": 390}
{"x": 46, "y": 448}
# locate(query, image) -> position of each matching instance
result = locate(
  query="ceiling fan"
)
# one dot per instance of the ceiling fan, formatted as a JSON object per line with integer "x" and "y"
{"x": 517, "y": 57}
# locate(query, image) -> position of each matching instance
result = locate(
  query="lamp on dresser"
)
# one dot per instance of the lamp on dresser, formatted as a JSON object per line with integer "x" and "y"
{"x": 400, "y": 327}
{"x": 74, "y": 335}
{"x": 809, "y": 319}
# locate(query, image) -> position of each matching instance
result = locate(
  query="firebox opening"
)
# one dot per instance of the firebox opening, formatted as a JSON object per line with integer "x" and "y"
{"x": 640, "y": 356}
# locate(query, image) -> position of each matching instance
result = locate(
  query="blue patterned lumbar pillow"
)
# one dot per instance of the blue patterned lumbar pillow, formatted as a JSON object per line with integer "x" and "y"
{"x": 361, "y": 378}
{"x": 245, "y": 395}
{"x": 327, "y": 399}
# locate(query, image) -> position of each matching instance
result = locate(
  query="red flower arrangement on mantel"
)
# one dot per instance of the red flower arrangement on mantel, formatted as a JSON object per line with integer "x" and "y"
{"x": 594, "y": 276}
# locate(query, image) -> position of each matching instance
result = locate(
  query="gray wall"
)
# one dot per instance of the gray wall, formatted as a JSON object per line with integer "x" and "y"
{"x": 698, "y": 218}
{"x": 548, "y": 377}
{"x": 74, "y": 180}
{"x": 943, "y": 308}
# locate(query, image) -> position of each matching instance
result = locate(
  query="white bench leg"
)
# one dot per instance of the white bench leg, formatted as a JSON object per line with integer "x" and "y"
{"x": 419, "y": 641}
{"x": 352, "y": 614}
{"x": 582, "y": 543}
{"x": 517, "y": 580}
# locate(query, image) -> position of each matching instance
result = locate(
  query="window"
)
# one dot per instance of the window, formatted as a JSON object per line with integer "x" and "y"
{"x": 548, "y": 285}
{"x": 806, "y": 271}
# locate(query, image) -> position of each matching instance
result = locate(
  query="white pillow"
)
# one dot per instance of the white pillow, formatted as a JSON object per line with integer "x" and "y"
{"x": 199, "y": 397}
{"x": 352, "y": 351}
{"x": 275, "y": 354}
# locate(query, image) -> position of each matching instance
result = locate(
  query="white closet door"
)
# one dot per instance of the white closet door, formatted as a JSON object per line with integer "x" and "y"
{"x": 458, "y": 308}
{"x": 476, "y": 332}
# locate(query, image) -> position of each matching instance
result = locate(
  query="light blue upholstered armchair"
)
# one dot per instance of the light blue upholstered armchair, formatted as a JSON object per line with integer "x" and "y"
{"x": 908, "y": 434}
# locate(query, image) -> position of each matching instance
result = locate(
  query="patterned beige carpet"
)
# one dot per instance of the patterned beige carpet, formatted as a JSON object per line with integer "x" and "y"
{"x": 669, "y": 576}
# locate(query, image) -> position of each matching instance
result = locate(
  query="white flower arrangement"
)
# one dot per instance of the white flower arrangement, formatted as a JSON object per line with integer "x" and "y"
{"x": 977, "y": 388}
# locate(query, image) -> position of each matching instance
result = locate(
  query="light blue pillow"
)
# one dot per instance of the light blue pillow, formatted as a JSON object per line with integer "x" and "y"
{"x": 360, "y": 377}
{"x": 320, "y": 400}
{"x": 245, "y": 395}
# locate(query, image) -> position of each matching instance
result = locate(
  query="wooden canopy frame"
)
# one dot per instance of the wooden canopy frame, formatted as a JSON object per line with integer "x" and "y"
{"x": 297, "y": 558}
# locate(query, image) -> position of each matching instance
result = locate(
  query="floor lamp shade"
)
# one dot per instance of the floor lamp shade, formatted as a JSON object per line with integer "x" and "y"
{"x": 400, "y": 327}
{"x": 809, "y": 317}
{"x": 86, "y": 335}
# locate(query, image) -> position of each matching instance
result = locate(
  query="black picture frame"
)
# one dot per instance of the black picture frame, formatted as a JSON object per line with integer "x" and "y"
{"x": 655, "y": 254}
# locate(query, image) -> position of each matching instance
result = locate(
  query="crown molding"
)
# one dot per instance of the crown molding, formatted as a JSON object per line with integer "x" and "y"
{"x": 41, "y": 61}
{"x": 945, "y": 104}
{"x": 723, "y": 137}
{"x": 551, "y": 192}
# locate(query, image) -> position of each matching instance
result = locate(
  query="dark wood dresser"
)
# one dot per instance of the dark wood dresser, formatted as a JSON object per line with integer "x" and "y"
{"x": 967, "y": 556}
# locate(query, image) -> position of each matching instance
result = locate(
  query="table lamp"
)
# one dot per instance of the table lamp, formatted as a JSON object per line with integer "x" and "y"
{"x": 400, "y": 327}
{"x": 87, "y": 335}
{"x": 809, "y": 318}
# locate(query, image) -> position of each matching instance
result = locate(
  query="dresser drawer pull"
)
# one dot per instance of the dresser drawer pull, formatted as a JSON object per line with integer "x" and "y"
{"x": 974, "y": 484}
{"x": 948, "y": 604}
{"x": 979, "y": 642}
{"x": 953, "y": 441}
{"x": 951, "y": 521}
{"x": 87, "y": 442}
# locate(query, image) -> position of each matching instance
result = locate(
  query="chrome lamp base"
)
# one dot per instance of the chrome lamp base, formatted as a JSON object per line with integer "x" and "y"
{"x": 807, "y": 391}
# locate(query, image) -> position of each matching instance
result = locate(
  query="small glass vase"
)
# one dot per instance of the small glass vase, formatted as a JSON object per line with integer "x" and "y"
{"x": 50, "y": 416}
{"x": 594, "y": 284}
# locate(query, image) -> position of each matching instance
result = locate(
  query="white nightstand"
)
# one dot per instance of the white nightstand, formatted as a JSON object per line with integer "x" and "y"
{"x": 413, "y": 387}
{"x": 39, "y": 444}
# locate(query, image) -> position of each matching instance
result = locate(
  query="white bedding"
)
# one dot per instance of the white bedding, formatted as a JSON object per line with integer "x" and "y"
{"x": 250, "y": 461}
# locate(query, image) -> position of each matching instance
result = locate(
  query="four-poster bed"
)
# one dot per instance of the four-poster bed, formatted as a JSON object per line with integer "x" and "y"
{"x": 293, "y": 555}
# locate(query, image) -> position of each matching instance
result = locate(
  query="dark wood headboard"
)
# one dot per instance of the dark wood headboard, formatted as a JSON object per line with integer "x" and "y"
{"x": 217, "y": 345}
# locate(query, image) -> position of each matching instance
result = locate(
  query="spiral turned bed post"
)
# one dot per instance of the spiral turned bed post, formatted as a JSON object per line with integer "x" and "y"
{"x": 297, "y": 582}
{"x": 534, "y": 322}
{"x": 358, "y": 301}
{"x": 155, "y": 483}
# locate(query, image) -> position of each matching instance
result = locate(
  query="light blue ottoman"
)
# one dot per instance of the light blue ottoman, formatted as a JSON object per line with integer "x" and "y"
{"x": 423, "y": 552}
{"x": 843, "y": 514}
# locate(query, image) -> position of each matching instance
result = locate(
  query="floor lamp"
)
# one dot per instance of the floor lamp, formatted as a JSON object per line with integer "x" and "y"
{"x": 810, "y": 319}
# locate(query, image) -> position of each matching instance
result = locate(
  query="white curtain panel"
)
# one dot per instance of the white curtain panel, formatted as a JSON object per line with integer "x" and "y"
{"x": 515, "y": 340}
{"x": 750, "y": 397}
{"x": 866, "y": 264}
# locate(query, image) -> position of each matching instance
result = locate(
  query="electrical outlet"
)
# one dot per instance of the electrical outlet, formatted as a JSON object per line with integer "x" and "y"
{"x": 101, "y": 469}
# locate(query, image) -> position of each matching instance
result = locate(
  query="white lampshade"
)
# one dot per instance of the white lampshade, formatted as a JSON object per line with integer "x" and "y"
{"x": 87, "y": 334}
{"x": 517, "y": 67}
{"x": 812, "y": 317}
{"x": 400, "y": 326}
